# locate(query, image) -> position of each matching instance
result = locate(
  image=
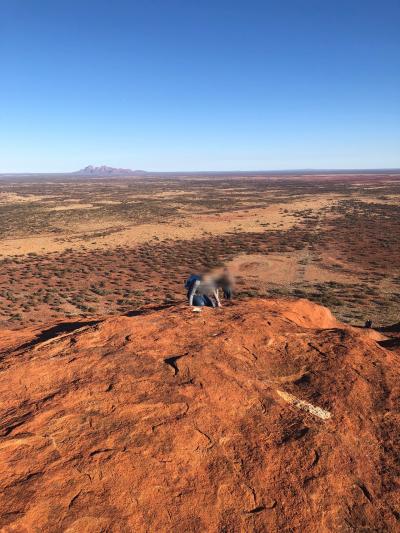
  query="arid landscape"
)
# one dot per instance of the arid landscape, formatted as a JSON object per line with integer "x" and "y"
{"x": 74, "y": 247}
{"x": 200, "y": 267}
{"x": 123, "y": 410}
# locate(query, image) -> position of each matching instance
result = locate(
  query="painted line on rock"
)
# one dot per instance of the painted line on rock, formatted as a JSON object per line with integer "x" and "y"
{"x": 305, "y": 406}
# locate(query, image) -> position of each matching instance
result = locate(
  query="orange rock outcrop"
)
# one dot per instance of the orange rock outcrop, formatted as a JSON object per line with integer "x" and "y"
{"x": 262, "y": 416}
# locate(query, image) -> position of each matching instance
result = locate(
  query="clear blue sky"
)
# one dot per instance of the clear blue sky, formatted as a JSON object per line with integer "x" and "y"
{"x": 198, "y": 84}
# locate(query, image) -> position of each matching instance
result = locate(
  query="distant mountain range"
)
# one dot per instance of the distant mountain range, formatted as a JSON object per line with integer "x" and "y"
{"x": 104, "y": 170}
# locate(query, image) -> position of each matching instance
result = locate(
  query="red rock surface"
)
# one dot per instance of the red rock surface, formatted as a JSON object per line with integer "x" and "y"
{"x": 179, "y": 421}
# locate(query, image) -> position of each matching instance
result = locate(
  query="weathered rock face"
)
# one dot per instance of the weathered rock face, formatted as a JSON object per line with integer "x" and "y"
{"x": 261, "y": 416}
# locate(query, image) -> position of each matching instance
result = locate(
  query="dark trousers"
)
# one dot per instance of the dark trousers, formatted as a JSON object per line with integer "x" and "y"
{"x": 201, "y": 300}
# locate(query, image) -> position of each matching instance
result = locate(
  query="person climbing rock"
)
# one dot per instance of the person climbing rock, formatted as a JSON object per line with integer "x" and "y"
{"x": 202, "y": 291}
{"x": 225, "y": 282}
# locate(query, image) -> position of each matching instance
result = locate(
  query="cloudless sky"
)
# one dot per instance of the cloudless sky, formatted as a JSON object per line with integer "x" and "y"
{"x": 199, "y": 84}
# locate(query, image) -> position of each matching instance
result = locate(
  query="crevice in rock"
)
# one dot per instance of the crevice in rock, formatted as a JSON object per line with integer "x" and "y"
{"x": 13, "y": 423}
{"x": 29, "y": 477}
{"x": 74, "y": 499}
{"x": 316, "y": 349}
{"x": 60, "y": 330}
{"x": 171, "y": 361}
{"x": 364, "y": 490}
{"x": 257, "y": 509}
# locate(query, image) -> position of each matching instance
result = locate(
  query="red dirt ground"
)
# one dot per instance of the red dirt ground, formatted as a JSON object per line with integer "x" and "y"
{"x": 186, "y": 422}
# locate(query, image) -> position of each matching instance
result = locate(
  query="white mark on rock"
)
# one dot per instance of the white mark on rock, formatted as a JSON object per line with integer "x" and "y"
{"x": 305, "y": 406}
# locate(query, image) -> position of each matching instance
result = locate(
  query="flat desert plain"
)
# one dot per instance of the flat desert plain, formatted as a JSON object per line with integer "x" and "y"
{"x": 75, "y": 248}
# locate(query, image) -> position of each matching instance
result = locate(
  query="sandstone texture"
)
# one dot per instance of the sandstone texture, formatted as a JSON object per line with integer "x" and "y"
{"x": 262, "y": 416}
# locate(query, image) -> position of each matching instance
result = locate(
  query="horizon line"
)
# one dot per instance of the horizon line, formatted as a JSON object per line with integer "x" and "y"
{"x": 251, "y": 171}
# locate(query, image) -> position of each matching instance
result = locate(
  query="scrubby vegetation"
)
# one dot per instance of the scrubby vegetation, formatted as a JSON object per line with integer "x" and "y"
{"x": 356, "y": 235}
